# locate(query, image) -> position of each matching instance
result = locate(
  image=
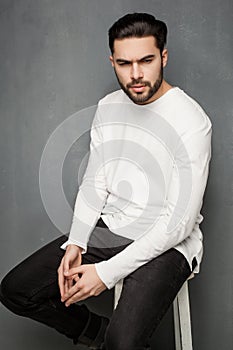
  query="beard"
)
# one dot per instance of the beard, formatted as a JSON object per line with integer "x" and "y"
{"x": 140, "y": 97}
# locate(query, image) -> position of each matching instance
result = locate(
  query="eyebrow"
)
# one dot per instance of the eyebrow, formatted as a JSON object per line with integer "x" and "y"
{"x": 122, "y": 60}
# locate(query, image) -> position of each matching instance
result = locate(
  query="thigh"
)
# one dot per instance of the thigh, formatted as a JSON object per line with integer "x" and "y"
{"x": 37, "y": 274}
{"x": 146, "y": 295}
{"x": 39, "y": 270}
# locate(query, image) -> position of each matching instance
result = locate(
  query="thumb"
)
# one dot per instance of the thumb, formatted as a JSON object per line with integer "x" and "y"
{"x": 66, "y": 265}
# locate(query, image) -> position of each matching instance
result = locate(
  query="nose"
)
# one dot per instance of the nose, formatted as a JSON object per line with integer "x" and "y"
{"x": 136, "y": 71}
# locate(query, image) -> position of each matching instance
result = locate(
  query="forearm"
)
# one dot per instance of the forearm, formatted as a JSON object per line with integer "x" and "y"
{"x": 92, "y": 192}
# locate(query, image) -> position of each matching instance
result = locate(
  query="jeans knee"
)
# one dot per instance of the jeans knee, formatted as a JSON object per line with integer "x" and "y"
{"x": 11, "y": 296}
{"x": 7, "y": 288}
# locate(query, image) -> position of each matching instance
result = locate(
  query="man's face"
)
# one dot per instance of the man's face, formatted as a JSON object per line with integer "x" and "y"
{"x": 139, "y": 68}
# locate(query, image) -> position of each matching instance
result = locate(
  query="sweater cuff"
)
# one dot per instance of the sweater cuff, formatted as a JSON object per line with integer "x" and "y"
{"x": 79, "y": 244}
{"x": 105, "y": 274}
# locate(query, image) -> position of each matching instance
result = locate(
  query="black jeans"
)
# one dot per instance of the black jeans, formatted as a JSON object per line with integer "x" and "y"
{"x": 31, "y": 290}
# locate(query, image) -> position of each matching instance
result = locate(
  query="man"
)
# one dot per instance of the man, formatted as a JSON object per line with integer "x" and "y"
{"x": 137, "y": 211}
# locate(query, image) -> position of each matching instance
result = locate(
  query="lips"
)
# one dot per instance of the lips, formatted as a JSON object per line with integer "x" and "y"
{"x": 138, "y": 88}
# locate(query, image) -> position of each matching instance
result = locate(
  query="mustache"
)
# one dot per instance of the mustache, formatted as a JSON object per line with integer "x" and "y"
{"x": 137, "y": 82}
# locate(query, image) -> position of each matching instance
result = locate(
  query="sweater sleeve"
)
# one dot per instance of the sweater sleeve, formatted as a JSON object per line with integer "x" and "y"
{"x": 92, "y": 192}
{"x": 188, "y": 179}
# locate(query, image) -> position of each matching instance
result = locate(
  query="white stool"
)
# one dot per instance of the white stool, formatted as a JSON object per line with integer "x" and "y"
{"x": 181, "y": 311}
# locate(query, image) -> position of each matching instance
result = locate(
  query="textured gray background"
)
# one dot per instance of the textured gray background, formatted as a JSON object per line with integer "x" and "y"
{"x": 54, "y": 62}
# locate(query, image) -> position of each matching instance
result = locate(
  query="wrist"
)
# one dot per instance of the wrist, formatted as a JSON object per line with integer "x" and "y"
{"x": 74, "y": 246}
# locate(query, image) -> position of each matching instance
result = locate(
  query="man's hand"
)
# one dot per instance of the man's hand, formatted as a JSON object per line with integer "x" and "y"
{"x": 89, "y": 284}
{"x": 72, "y": 258}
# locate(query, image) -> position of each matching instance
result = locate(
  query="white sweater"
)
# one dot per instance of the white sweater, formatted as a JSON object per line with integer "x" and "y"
{"x": 146, "y": 176}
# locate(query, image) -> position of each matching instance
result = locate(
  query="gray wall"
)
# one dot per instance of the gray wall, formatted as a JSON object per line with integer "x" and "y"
{"x": 54, "y": 62}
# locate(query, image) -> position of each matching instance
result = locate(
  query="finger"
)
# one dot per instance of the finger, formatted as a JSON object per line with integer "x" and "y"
{"x": 69, "y": 283}
{"x": 73, "y": 290}
{"x": 75, "y": 271}
{"x": 76, "y": 278}
{"x": 61, "y": 279}
{"x": 76, "y": 297}
{"x": 66, "y": 264}
{"x": 66, "y": 287}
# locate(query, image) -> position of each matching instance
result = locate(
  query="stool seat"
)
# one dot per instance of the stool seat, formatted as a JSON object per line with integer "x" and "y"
{"x": 181, "y": 315}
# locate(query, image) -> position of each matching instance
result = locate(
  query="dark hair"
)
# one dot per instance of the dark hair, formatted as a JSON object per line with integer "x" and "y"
{"x": 138, "y": 25}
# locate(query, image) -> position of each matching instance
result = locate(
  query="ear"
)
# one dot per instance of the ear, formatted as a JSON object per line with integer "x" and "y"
{"x": 111, "y": 60}
{"x": 164, "y": 57}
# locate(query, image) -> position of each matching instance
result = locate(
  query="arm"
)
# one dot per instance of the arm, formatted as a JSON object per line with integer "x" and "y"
{"x": 90, "y": 200}
{"x": 92, "y": 192}
{"x": 180, "y": 216}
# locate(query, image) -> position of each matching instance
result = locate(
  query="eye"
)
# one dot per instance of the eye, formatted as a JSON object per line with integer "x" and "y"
{"x": 123, "y": 63}
{"x": 147, "y": 60}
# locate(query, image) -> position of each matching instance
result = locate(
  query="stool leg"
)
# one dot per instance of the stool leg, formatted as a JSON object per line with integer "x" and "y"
{"x": 182, "y": 320}
{"x": 117, "y": 292}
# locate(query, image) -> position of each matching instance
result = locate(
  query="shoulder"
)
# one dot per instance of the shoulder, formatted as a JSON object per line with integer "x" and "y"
{"x": 184, "y": 113}
{"x": 105, "y": 105}
{"x": 190, "y": 110}
{"x": 117, "y": 96}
